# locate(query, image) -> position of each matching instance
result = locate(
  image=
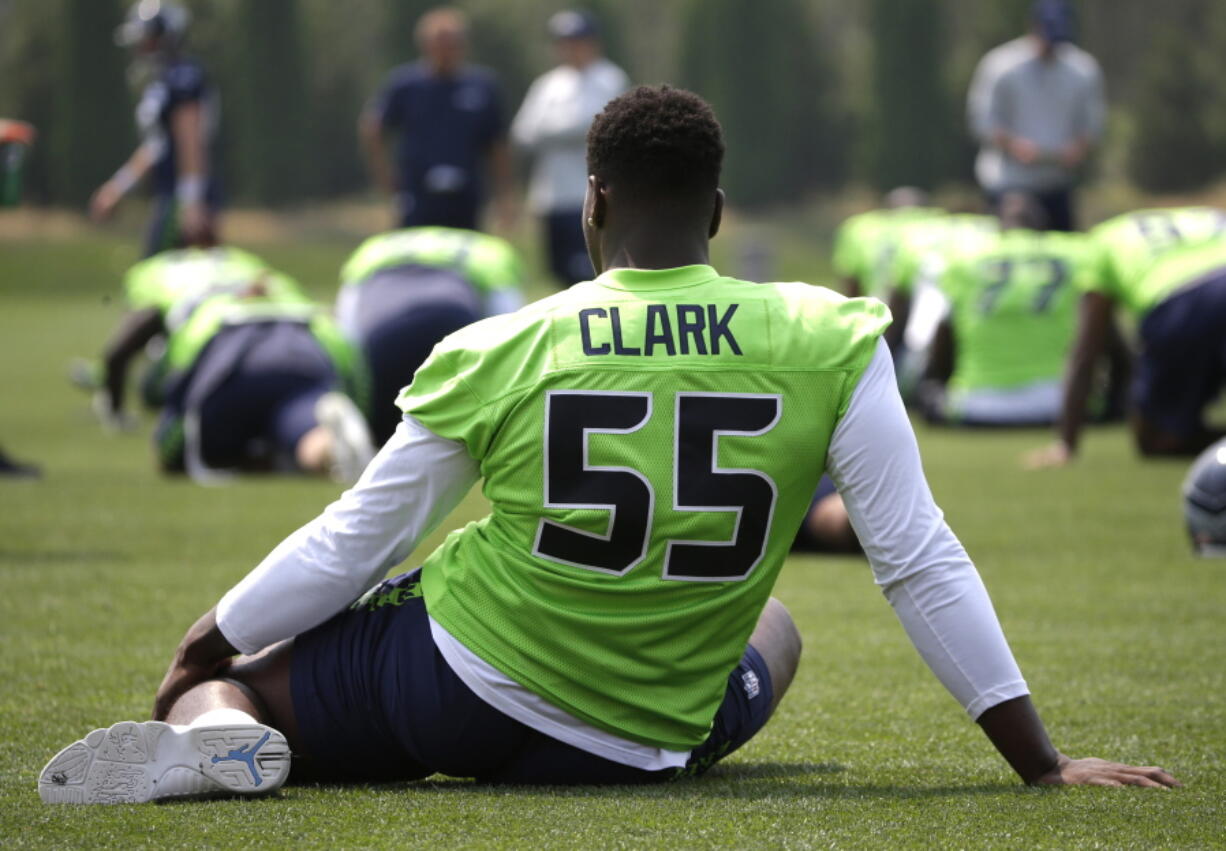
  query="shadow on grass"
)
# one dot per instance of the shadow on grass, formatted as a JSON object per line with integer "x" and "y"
{"x": 746, "y": 780}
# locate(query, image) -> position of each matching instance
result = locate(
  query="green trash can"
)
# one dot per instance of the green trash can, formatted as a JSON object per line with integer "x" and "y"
{"x": 16, "y": 137}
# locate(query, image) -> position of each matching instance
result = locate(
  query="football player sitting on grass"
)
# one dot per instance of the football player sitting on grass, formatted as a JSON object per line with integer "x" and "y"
{"x": 649, "y": 442}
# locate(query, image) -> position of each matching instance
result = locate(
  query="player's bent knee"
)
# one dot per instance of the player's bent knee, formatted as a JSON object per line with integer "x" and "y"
{"x": 267, "y": 675}
{"x": 777, "y": 640}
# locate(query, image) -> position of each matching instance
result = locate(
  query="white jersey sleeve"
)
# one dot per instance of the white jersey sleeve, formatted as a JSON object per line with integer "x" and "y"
{"x": 407, "y": 490}
{"x": 920, "y": 565}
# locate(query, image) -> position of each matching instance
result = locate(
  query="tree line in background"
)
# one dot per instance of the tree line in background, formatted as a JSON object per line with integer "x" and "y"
{"x": 813, "y": 94}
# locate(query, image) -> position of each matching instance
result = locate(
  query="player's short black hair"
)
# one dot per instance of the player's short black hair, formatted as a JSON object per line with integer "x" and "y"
{"x": 661, "y": 142}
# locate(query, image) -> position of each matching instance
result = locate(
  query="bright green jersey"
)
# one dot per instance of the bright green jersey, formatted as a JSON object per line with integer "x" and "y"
{"x": 649, "y": 443}
{"x": 926, "y": 245}
{"x": 865, "y": 246}
{"x": 1185, "y": 266}
{"x": 487, "y": 262}
{"x": 1128, "y": 246}
{"x": 1013, "y": 308}
{"x": 175, "y": 282}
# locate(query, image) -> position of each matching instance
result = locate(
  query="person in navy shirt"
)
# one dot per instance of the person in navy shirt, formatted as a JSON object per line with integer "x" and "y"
{"x": 177, "y": 116}
{"x": 449, "y": 126}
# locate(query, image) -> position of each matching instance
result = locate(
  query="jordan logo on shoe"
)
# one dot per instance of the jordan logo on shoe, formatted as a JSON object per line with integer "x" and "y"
{"x": 246, "y": 754}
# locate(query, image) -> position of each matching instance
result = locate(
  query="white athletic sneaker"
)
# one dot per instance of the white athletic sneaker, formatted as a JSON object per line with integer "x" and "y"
{"x": 132, "y": 762}
{"x": 351, "y": 445}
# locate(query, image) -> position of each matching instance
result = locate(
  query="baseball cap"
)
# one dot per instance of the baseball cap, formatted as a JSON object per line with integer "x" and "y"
{"x": 1054, "y": 19}
{"x": 572, "y": 23}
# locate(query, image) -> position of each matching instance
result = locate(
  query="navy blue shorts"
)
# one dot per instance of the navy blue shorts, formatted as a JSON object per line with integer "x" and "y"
{"x": 257, "y": 419}
{"x": 259, "y": 400}
{"x": 401, "y": 314}
{"x": 1182, "y": 367}
{"x": 375, "y": 700}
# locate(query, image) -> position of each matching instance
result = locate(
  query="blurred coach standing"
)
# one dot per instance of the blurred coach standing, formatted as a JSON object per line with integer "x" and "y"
{"x": 552, "y": 126}
{"x": 450, "y": 127}
{"x": 1036, "y": 105}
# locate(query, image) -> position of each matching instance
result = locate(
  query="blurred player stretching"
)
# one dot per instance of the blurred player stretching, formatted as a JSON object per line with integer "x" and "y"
{"x": 403, "y": 291}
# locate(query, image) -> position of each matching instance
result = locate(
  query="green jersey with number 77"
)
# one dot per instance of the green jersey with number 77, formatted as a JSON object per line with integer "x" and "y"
{"x": 649, "y": 443}
{"x": 1013, "y": 306}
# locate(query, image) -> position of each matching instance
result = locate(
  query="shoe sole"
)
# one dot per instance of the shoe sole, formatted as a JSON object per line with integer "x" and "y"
{"x": 132, "y": 762}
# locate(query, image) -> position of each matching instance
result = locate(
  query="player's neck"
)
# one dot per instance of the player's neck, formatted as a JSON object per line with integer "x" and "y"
{"x": 1044, "y": 49}
{"x": 647, "y": 247}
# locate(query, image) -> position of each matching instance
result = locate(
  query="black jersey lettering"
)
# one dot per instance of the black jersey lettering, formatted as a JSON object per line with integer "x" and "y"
{"x": 659, "y": 330}
{"x": 585, "y": 331}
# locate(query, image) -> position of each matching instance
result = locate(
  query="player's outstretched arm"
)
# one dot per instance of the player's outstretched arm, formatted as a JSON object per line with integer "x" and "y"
{"x": 374, "y": 147}
{"x": 1092, "y": 330}
{"x": 900, "y": 309}
{"x": 935, "y": 590}
{"x": 107, "y": 197}
{"x": 1017, "y": 732}
{"x": 135, "y": 330}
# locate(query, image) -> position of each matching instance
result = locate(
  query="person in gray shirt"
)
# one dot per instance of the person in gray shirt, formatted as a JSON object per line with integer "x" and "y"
{"x": 1037, "y": 107}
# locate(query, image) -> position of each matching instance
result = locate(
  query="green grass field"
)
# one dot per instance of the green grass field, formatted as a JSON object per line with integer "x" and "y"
{"x": 1119, "y": 630}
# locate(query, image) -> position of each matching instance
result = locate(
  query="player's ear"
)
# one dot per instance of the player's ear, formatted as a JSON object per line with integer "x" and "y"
{"x": 717, "y": 215}
{"x": 593, "y": 207}
{"x": 595, "y": 204}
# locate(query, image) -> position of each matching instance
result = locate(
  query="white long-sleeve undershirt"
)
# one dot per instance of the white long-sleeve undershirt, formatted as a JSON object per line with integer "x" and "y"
{"x": 419, "y": 477}
{"x": 406, "y": 491}
{"x": 915, "y": 558}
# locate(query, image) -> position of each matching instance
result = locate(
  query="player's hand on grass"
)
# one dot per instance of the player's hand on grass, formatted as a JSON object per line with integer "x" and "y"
{"x": 1100, "y": 772}
{"x": 110, "y": 419}
{"x": 202, "y": 654}
{"x": 1054, "y": 455}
